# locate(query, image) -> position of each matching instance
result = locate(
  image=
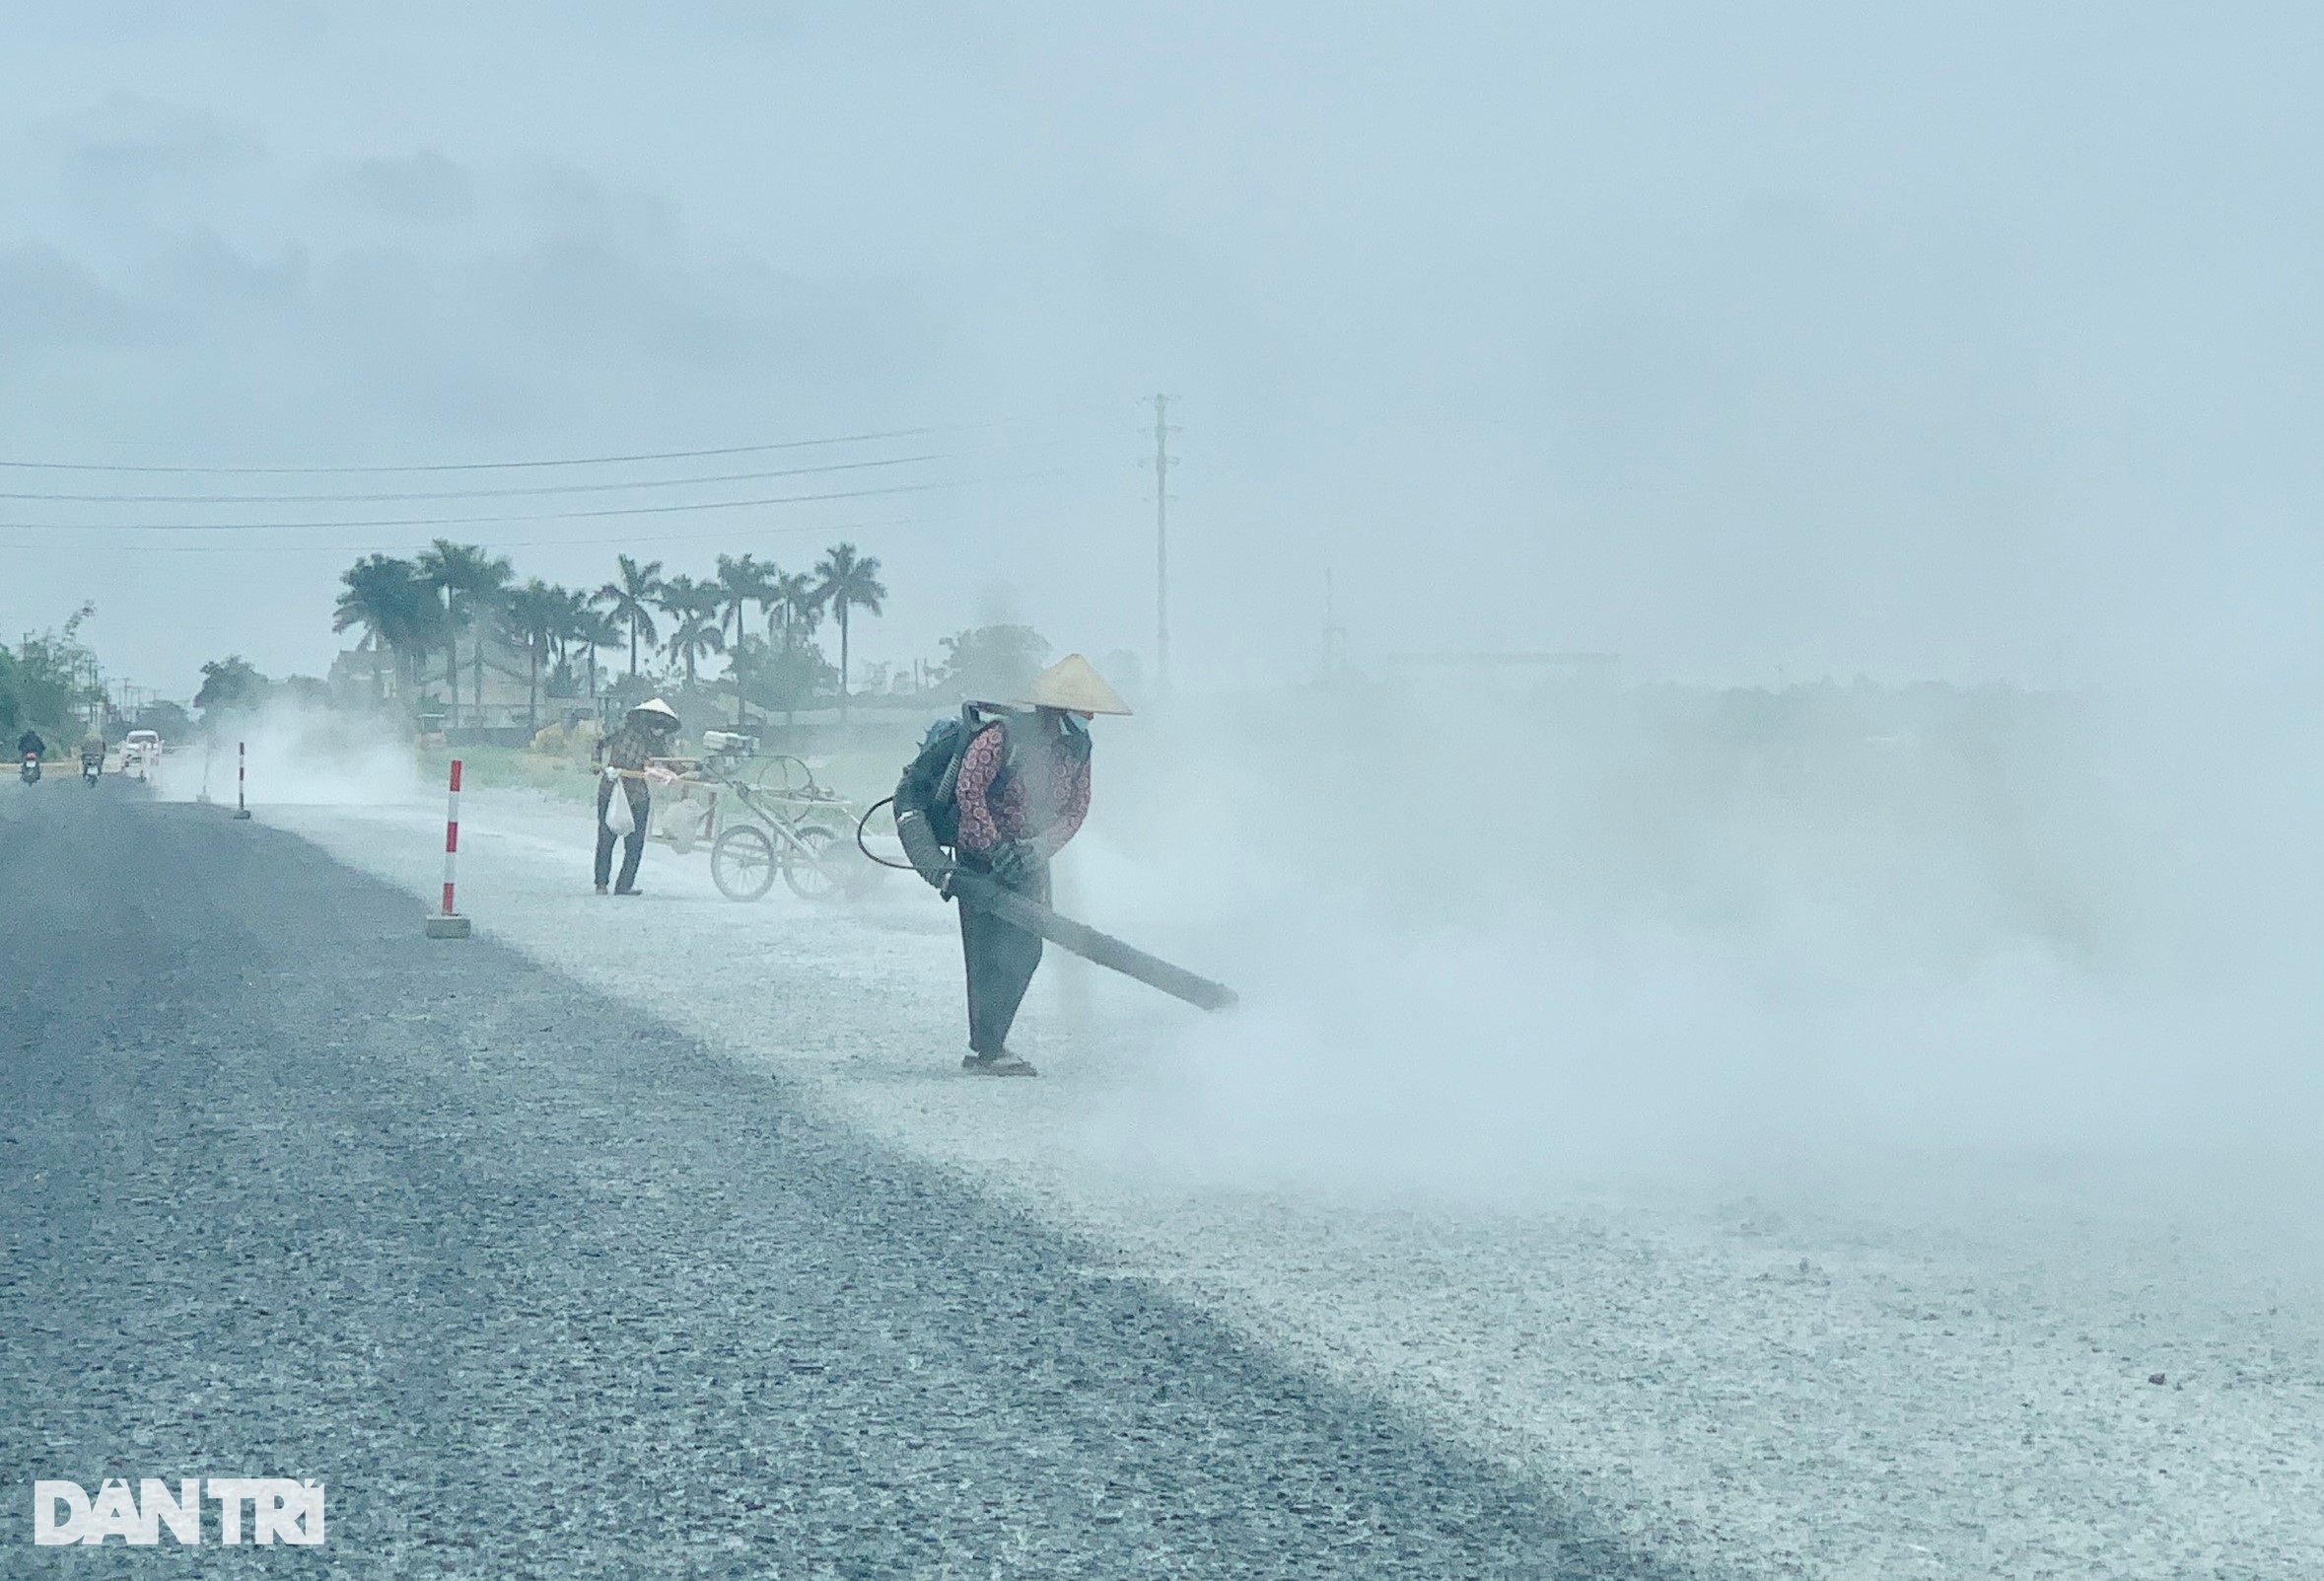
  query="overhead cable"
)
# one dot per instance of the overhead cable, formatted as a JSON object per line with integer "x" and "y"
{"x": 728, "y": 534}
{"x": 537, "y": 516}
{"x": 475, "y": 467}
{"x": 558, "y": 461}
{"x": 471, "y": 493}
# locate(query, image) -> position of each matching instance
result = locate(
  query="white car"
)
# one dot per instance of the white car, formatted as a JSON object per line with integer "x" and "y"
{"x": 141, "y": 753}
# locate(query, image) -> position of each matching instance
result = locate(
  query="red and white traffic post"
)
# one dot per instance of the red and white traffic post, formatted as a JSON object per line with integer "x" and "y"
{"x": 449, "y": 923}
{"x": 241, "y": 774}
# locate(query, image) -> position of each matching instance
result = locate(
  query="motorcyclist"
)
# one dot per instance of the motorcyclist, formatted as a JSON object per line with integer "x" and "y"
{"x": 92, "y": 755}
{"x": 31, "y": 742}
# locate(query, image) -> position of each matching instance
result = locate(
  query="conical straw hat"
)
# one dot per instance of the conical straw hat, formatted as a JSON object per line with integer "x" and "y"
{"x": 654, "y": 705}
{"x": 1074, "y": 683}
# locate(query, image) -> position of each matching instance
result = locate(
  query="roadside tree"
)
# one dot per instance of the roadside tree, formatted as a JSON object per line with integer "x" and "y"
{"x": 397, "y": 610}
{"x": 697, "y": 631}
{"x": 230, "y": 686}
{"x": 991, "y": 664}
{"x": 847, "y": 581}
{"x": 471, "y": 582}
{"x": 533, "y": 614}
{"x": 629, "y": 599}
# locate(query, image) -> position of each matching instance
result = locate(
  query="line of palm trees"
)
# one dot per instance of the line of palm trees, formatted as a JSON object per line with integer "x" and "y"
{"x": 413, "y": 609}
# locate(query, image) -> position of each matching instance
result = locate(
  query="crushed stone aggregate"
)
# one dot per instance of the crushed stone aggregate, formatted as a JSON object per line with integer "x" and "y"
{"x": 1932, "y": 1368}
{"x": 539, "y": 1285}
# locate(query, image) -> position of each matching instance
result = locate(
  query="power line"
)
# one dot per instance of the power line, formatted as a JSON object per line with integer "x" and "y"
{"x": 473, "y": 493}
{"x": 729, "y": 534}
{"x": 537, "y": 516}
{"x": 562, "y": 460}
{"x": 482, "y": 467}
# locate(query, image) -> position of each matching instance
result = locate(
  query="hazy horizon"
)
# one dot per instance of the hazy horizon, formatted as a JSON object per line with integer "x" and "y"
{"x": 1963, "y": 344}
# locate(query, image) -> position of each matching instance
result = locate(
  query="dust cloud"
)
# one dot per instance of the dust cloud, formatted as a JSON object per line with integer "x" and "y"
{"x": 1975, "y": 345}
{"x": 296, "y": 753}
{"x": 1587, "y": 931}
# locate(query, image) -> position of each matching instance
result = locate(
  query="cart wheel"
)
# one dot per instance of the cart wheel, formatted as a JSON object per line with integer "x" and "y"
{"x": 814, "y": 871}
{"x": 742, "y": 863}
{"x": 783, "y": 775}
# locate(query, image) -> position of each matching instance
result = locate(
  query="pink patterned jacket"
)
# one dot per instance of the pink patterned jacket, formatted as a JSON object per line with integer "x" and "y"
{"x": 1046, "y": 814}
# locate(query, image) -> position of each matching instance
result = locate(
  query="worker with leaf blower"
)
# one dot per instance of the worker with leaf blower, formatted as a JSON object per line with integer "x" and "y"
{"x": 1005, "y": 788}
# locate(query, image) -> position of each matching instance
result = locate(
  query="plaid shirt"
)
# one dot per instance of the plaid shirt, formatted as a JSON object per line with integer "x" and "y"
{"x": 630, "y": 744}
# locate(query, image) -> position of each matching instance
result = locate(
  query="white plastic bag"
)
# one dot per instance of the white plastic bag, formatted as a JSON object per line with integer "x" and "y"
{"x": 619, "y": 816}
{"x": 685, "y": 822}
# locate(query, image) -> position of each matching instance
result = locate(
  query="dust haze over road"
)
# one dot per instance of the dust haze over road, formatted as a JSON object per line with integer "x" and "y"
{"x": 1766, "y": 1106}
{"x": 536, "y": 1288}
{"x": 1918, "y": 1352}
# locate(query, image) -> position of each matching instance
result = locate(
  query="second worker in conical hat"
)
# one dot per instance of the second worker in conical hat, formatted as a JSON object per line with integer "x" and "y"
{"x": 1006, "y": 794}
{"x": 646, "y": 732}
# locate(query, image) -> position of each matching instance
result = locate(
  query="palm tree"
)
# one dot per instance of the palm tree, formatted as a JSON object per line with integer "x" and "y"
{"x": 695, "y": 633}
{"x": 597, "y": 629}
{"x": 487, "y": 598}
{"x": 559, "y": 635}
{"x": 769, "y": 589}
{"x": 694, "y": 609}
{"x": 581, "y": 623}
{"x": 471, "y": 582}
{"x": 369, "y": 601}
{"x": 626, "y": 601}
{"x": 847, "y": 582}
{"x": 392, "y": 603}
{"x": 790, "y": 606}
{"x": 741, "y": 580}
{"x": 680, "y": 595}
{"x": 533, "y": 614}
{"x": 439, "y": 568}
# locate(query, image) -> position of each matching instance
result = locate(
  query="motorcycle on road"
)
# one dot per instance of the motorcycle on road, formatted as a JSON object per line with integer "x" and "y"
{"x": 29, "y": 772}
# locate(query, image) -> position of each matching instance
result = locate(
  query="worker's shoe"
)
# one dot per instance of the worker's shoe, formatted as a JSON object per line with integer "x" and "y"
{"x": 1003, "y": 1064}
{"x": 629, "y": 894}
{"x": 602, "y": 889}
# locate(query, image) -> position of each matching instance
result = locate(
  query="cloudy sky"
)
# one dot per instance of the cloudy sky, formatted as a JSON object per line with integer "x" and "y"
{"x": 1949, "y": 341}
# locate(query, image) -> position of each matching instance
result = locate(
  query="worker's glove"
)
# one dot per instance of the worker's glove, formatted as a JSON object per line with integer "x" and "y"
{"x": 1015, "y": 862}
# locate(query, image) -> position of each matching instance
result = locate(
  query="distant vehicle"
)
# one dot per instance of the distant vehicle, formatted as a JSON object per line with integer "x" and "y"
{"x": 30, "y": 772}
{"x": 141, "y": 753}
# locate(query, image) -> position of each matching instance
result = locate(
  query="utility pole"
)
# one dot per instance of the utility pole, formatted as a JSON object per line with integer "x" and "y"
{"x": 1162, "y": 542}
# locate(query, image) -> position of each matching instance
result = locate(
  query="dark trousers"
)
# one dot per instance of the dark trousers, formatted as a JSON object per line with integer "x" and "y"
{"x": 634, "y": 843}
{"x": 1001, "y": 958}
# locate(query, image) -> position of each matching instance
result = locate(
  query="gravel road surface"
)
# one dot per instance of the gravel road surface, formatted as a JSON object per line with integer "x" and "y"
{"x": 1915, "y": 1369}
{"x": 538, "y": 1285}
